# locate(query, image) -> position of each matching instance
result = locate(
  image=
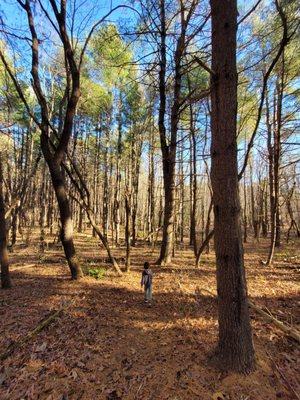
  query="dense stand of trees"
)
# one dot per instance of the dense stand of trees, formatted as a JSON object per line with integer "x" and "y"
{"x": 177, "y": 129}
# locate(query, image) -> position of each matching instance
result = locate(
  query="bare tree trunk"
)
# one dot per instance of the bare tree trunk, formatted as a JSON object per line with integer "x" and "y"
{"x": 273, "y": 208}
{"x": 169, "y": 150}
{"x": 128, "y": 230}
{"x": 4, "y": 261}
{"x": 289, "y": 207}
{"x": 105, "y": 191}
{"x": 66, "y": 232}
{"x": 277, "y": 150}
{"x": 150, "y": 208}
{"x": 235, "y": 348}
{"x": 181, "y": 194}
{"x": 245, "y": 211}
{"x": 193, "y": 184}
{"x": 42, "y": 212}
{"x": 168, "y": 154}
{"x": 254, "y": 217}
{"x": 136, "y": 163}
{"x": 129, "y": 172}
{"x": 207, "y": 227}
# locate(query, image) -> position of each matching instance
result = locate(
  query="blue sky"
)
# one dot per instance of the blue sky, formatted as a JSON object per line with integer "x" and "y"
{"x": 14, "y": 16}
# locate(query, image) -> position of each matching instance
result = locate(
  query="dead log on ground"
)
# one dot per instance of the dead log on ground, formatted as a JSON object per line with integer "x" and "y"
{"x": 267, "y": 317}
{"x": 42, "y": 325}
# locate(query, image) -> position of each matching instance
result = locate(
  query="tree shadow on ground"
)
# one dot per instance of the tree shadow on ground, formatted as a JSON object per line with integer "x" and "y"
{"x": 108, "y": 343}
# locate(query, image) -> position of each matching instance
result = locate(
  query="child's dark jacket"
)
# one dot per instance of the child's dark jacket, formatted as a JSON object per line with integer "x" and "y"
{"x": 146, "y": 278}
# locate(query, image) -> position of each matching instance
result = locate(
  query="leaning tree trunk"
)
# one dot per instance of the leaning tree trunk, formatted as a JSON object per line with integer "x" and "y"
{"x": 5, "y": 277}
{"x": 235, "y": 348}
{"x": 66, "y": 232}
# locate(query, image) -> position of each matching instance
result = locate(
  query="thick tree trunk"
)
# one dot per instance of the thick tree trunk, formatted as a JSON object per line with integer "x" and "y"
{"x": 168, "y": 156}
{"x": 235, "y": 348}
{"x": 66, "y": 232}
{"x": 169, "y": 150}
{"x": 166, "y": 249}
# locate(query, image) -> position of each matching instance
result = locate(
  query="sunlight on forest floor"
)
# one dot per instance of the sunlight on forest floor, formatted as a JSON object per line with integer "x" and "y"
{"x": 108, "y": 345}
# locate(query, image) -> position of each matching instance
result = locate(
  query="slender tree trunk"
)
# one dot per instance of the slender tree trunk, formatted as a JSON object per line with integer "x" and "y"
{"x": 117, "y": 216}
{"x": 42, "y": 212}
{"x": 207, "y": 226}
{"x": 128, "y": 230}
{"x": 235, "y": 348}
{"x": 136, "y": 163}
{"x": 273, "y": 208}
{"x": 265, "y": 226}
{"x": 245, "y": 211}
{"x": 193, "y": 182}
{"x": 150, "y": 208}
{"x": 277, "y": 150}
{"x": 4, "y": 261}
{"x": 182, "y": 195}
{"x": 105, "y": 192}
{"x": 255, "y": 219}
{"x": 289, "y": 207}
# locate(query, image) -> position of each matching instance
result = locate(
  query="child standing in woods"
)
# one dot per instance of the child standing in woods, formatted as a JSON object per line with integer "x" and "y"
{"x": 146, "y": 282}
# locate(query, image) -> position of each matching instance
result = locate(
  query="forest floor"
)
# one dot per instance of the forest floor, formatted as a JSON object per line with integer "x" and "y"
{"x": 107, "y": 345}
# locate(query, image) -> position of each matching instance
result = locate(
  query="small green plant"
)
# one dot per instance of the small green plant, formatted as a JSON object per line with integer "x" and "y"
{"x": 97, "y": 273}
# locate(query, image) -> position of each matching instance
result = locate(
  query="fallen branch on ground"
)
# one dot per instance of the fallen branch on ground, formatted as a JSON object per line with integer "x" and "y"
{"x": 23, "y": 266}
{"x": 42, "y": 325}
{"x": 268, "y": 317}
{"x": 283, "y": 377}
{"x": 287, "y": 329}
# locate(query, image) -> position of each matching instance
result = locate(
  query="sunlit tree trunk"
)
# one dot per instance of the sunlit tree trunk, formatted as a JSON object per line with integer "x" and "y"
{"x": 4, "y": 261}
{"x": 235, "y": 348}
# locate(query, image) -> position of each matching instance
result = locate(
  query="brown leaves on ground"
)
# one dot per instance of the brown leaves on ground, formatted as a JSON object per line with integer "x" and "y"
{"x": 108, "y": 345}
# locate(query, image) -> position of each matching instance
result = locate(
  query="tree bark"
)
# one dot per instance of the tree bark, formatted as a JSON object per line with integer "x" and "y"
{"x": 235, "y": 348}
{"x": 4, "y": 261}
{"x": 169, "y": 150}
{"x": 66, "y": 230}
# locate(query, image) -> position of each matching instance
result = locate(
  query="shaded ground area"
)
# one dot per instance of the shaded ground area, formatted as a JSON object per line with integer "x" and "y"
{"x": 108, "y": 345}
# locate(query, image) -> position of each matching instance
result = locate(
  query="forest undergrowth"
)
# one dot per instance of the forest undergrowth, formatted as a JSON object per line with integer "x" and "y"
{"x": 106, "y": 344}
